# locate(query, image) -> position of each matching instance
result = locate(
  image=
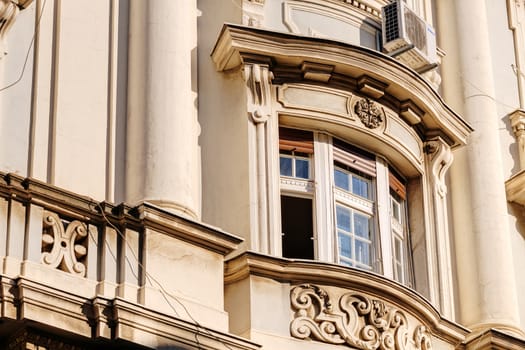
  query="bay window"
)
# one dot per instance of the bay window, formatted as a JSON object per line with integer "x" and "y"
{"x": 366, "y": 203}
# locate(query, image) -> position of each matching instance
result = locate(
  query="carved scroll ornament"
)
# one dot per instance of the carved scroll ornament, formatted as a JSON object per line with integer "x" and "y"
{"x": 258, "y": 79}
{"x": 9, "y": 9}
{"x": 64, "y": 249}
{"x": 358, "y": 322}
{"x": 369, "y": 114}
{"x": 441, "y": 158}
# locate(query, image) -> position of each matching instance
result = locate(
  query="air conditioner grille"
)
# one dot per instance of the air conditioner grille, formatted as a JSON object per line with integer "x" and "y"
{"x": 416, "y": 30}
{"x": 391, "y": 22}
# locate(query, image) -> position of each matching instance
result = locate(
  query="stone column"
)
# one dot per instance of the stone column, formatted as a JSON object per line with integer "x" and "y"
{"x": 486, "y": 280}
{"x": 163, "y": 156}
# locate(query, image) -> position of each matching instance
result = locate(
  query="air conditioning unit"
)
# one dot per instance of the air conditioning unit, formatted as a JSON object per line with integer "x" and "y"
{"x": 408, "y": 37}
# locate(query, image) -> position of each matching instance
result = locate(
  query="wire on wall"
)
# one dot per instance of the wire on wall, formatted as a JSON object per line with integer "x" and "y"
{"x": 199, "y": 329}
{"x": 37, "y": 28}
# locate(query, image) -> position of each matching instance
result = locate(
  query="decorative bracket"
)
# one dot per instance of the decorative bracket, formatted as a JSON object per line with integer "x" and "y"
{"x": 517, "y": 121}
{"x": 440, "y": 157}
{"x": 258, "y": 79}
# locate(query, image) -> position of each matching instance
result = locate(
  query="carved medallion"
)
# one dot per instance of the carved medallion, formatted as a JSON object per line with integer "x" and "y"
{"x": 369, "y": 114}
{"x": 356, "y": 321}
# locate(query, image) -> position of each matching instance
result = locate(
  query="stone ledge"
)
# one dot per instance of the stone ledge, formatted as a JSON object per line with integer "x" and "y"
{"x": 107, "y": 319}
{"x": 143, "y": 215}
{"x": 289, "y": 271}
{"x": 515, "y": 188}
{"x": 493, "y": 339}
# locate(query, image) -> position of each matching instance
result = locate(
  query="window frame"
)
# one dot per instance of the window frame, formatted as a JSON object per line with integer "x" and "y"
{"x": 326, "y": 196}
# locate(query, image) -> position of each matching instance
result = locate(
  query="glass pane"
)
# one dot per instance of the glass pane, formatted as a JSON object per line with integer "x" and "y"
{"x": 398, "y": 250}
{"x": 360, "y": 186}
{"x": 362, "y": 252}
{"x": 361, "y": 225}
{"x": 344, "y": 219}
{"x": 341, "y": 180}
{"x": 301, "y": 168}
{"x": 399, "y": 273}
{"x": 345, "y": 245}
{"x": 286, "y": 166}
{"x": 396, "y": 210}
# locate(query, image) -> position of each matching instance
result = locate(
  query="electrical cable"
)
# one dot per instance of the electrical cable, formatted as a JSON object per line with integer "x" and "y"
{"x": 164, "y": 293}
{"x": 37, "y": 28}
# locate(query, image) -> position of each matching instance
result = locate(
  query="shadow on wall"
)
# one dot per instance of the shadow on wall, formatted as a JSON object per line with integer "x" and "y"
{"x": 519, "y": 212}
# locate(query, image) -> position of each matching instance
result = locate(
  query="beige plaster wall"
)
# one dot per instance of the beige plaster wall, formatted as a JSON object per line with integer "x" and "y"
{"x": 224, "y": 129}
{"x": 57, "y": 118}
{"x": 15, "y": 101}
{"x": 337, "y": 21}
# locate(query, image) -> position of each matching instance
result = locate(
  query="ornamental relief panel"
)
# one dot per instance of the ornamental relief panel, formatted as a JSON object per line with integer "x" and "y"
{"x": 355, "y": 320}
{"x": 370, "y": 114}
{"x": 64, "y": 244}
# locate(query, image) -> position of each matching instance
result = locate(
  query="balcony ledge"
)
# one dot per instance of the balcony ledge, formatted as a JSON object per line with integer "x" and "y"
{"x": 301, "y": 272}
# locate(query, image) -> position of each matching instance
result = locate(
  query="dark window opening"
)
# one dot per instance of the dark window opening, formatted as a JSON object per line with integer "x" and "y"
{"x": 297, "y": 227}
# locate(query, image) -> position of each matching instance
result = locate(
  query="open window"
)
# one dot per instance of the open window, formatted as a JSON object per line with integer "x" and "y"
{"x": 365, "y": 199}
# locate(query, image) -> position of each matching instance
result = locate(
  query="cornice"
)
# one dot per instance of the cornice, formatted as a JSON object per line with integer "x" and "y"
{"x": 320, "y": 273}
{"x": 109, "y": 320}
{"x": 142, "y": 216}
{"x": 493, "y": 339}
{"x": 236, "y": 42}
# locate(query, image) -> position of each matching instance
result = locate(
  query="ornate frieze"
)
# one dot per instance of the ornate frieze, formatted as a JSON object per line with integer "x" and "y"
{"x": 64, "y": 248}
{"x": 355, "y": 320}
{"x": 369, "y": 113}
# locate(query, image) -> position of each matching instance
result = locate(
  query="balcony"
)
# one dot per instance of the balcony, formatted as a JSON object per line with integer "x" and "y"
{"x": 299, "y": 304}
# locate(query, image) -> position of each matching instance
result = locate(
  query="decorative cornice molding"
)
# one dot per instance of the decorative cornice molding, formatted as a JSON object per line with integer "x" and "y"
{"x": 144, "y": 215}
{"x": 288, "y": 50}
{"x": 356, "y": 320}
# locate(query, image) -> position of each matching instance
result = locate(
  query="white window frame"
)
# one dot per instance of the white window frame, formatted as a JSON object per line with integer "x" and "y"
{"x": 321, "y": 188}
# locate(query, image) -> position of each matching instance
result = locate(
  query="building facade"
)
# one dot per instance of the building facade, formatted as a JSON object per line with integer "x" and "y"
{"x": 262, "y": 174}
